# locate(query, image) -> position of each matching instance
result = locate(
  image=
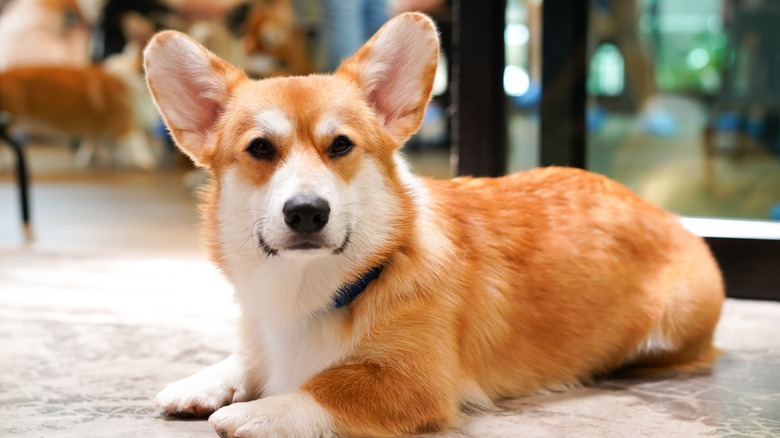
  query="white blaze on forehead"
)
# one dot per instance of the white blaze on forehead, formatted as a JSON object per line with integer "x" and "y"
{"x": 327, "y": 126}
{"x": 301, "y": 173}
{"x": 274, "y": 123}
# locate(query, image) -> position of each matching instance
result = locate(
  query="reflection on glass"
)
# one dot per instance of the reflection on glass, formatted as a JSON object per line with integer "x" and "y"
{"x": 522, "y": 81}
{"x": 685, "y": 103}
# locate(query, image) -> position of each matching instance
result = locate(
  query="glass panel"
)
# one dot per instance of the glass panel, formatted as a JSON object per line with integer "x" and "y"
{"x": 429, "y": 150}
{"x": 685, "y": 103}
{"x": 522, "y": 81}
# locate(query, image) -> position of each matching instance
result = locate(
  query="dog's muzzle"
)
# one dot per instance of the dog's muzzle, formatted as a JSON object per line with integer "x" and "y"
{"x": 306, "y": 217}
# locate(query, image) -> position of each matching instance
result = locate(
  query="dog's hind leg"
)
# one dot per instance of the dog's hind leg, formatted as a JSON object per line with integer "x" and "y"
{"x": 691, "y": 295}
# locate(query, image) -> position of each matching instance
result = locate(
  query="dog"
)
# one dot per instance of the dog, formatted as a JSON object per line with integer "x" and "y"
{"x": 99, "y": 103}
{"x": 376, "y": 303}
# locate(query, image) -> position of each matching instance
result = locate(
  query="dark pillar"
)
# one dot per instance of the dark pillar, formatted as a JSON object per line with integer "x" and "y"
{"x": 479, "y": 137}
{"x": 564, "y": 71}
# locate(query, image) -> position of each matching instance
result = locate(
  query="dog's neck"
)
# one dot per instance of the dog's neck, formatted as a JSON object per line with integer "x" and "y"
{"x": 347, "y": 293}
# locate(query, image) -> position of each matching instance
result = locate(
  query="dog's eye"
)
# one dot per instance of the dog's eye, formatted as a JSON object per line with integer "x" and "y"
{"x": 341, "y": 146}
{"x": 261, "y": 149}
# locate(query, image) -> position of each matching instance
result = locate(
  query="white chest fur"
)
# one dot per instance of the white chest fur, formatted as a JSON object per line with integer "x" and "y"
{"x": 291, "y": 320}
{"x": 287, "y": 302}
{"x": 297, "y": 353}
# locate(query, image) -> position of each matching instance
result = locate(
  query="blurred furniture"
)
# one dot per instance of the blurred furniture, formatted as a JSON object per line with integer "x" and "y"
{"x": 743, "y": 118}
{"x": 21, "y": 168}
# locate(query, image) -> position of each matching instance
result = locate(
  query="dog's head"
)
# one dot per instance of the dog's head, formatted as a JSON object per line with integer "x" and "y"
{"x": 305, "y": 165}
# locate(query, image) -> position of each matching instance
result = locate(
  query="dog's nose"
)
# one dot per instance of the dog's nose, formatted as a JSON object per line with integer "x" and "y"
{"x": 306, "y": 213}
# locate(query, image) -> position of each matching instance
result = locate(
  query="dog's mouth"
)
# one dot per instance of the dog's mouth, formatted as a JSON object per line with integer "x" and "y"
{"x": 302, "y": 246}
{"x": 344, "y": 244}
{"x": 305, "y": 243}
{"x": 265, "y": 247}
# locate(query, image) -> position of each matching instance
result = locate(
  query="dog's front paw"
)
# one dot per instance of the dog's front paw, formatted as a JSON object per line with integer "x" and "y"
{"x": 193, "y": 397}
{"x": 204, "y": 392}
{"x": 288, "y": 415}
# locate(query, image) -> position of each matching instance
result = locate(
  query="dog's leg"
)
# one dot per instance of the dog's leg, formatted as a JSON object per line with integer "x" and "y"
{"x": 358, "y": 399}
{"x": 139, "y": 151}
{"x": 693, "y": 295}
{"x": 85, "y": 152}
{"x": 207, "y": 390}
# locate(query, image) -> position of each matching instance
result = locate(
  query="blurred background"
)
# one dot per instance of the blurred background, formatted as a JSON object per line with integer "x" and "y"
{"x": 681, "y": 98}
{"x": 106, "y": 293}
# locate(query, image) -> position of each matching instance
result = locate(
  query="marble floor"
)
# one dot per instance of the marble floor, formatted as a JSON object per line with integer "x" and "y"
{"x": 114, "y": 298}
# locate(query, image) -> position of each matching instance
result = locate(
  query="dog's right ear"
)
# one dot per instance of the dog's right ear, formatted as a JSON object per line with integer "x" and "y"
{"x": 191, "y": 87}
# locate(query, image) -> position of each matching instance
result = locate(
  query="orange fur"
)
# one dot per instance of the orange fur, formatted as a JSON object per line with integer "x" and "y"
{"x": 558, "y": 275}
{"x": 491, "y": 288}
{"x": 86, "y": 102}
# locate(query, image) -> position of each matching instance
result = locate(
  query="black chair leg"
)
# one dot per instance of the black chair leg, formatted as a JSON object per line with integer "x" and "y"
{"x": 22, "y": 176}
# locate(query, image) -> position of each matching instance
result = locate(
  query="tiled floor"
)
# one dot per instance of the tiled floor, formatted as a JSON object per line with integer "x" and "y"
{"x": 115, "y": 298}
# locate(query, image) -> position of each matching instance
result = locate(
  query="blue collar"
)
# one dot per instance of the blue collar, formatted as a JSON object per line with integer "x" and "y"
{"x": 349, "y": 292}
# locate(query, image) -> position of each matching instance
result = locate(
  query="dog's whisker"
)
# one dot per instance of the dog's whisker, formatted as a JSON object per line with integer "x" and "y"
{"x": 252, "y": 232}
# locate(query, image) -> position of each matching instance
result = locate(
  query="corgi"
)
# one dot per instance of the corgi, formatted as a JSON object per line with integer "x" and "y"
{"x": 376, "y": 303}
{"x": 97, "y": 103}
{"x": 91, "y": 103}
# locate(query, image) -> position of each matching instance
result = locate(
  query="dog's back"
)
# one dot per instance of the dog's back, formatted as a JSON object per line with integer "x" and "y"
{"x": 575, "y": 272}
{"x": 84, "y": 102}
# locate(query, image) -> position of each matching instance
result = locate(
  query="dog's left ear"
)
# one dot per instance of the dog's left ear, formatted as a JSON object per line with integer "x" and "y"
{"x": 395, "y": 70}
